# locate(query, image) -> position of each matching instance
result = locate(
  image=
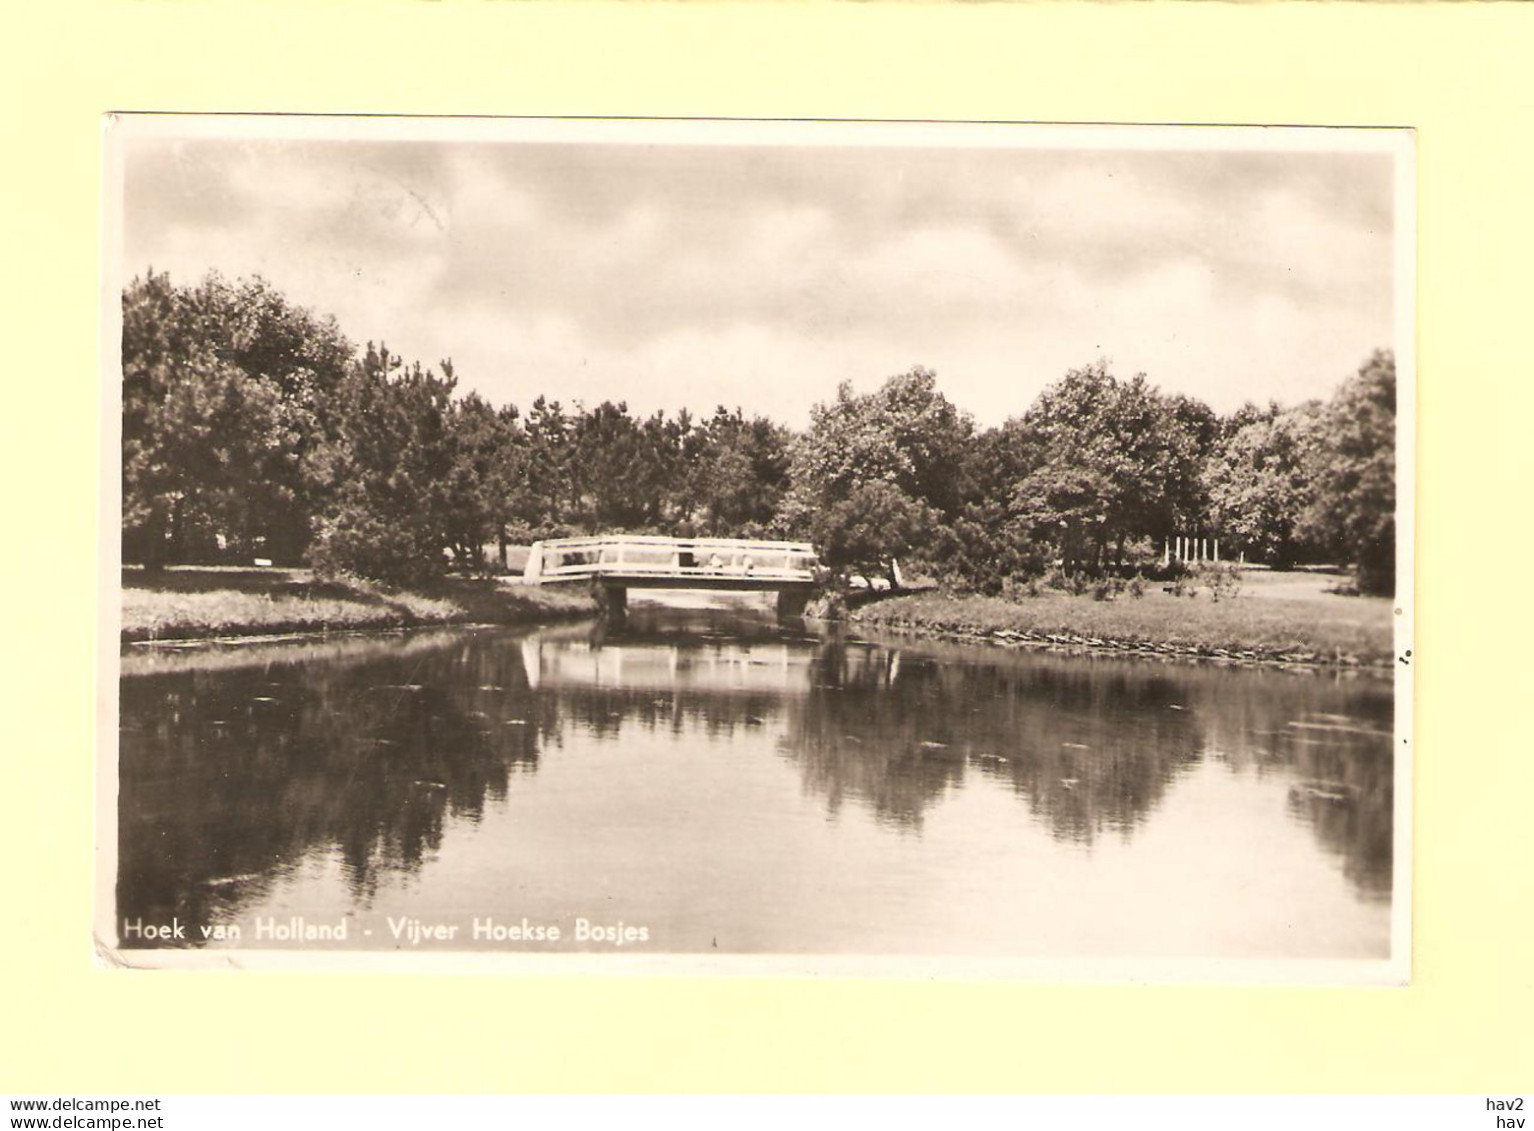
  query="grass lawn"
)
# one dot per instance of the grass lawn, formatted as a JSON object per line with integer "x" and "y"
{"x": 1275, "y": 616}
{"x": 191, "y": 603}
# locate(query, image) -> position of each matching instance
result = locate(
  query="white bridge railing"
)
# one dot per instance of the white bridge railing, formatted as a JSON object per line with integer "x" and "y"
{"x": 646, "y": 556}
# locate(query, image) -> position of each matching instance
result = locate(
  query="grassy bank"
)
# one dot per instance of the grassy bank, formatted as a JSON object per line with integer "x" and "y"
{"x": 190, "y": 603}
{"x": 1277, "y": 617}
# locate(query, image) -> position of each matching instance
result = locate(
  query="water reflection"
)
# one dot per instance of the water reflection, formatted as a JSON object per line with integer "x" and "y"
{"x": 250, "y": 774}
{"x": 1088, "y": 750}
{"x": 234, "y": 766}
{"x": 1091, "y": 744}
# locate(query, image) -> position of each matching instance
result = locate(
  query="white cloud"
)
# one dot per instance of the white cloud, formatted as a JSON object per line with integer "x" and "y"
{"x": 674, "y": 277}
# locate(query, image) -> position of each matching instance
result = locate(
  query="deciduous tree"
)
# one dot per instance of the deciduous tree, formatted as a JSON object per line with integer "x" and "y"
{"x": 1117, "y": 463}
{"x": 905, "y": 434}
{"x": 1354, "y": 473}
{"x": 1259, "y": 484}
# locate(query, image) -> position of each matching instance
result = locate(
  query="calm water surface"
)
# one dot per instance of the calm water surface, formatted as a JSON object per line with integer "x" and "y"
{"x": 727, "y": 784}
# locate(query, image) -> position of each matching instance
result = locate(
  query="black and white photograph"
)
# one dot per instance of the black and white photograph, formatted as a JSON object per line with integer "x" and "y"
{"x": 735, "y": 547}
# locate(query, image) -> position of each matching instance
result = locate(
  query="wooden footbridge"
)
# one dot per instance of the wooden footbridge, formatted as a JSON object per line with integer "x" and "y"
{"x": 616, "y": 563}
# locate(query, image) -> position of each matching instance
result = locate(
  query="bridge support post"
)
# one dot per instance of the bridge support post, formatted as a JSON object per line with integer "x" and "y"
{"x": 612, "y": 601}
{"x": 792, "y": 602}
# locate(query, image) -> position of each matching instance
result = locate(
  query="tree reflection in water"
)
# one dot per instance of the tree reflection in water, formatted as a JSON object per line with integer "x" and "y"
{"x": 1091, "y": 744}
{"x": 239, "y": 767}
{"x": 1088, "y": 751}
{"x": 231, "y": 777}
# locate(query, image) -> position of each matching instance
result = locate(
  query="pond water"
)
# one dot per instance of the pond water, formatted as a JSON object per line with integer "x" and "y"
{"x": 703, "y": 780}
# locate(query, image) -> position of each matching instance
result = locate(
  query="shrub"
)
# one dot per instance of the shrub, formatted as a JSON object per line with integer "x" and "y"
{"x": 830, "y": 605}
{"x": 1021, "y": 587}
{"x": 875, "y": 524}
{"x": 983, "y": 559}
{"x": 1222, "y": 580}
{"x": 1066, "y": 582}
{"x": 1182, "y": 586}
{"x": 1169, "y": 571}
{"x": 360, "y": 544}
{"x": 1107, "y": 588}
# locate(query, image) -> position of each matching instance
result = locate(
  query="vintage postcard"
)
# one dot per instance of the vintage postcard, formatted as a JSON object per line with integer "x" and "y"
{"x": 850, "y": 549}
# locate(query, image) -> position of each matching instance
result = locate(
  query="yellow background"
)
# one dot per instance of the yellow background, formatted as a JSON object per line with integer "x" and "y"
{"x": 1459, "y": 73}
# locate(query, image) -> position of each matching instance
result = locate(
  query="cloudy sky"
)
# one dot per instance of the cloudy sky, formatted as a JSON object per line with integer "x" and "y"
{"x": 676, "y": 275}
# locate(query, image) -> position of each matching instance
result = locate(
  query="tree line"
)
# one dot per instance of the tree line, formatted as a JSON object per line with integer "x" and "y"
{"x": 253, "y": 427}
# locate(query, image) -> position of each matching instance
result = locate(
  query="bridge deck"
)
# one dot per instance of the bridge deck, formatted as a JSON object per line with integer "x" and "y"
{"x": 685, "y": 581}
